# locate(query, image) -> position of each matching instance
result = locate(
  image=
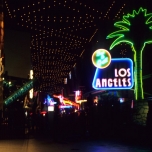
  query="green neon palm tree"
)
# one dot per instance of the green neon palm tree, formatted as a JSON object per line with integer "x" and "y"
{"x": 136, "y": 30}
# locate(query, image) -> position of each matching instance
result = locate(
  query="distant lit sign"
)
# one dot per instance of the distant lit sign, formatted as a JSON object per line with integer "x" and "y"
{"x": 78, "y": 95}
{"x": 121, "y": 100}
{"x": 31, "y": 91}
{"x": 51, "y": 108}
{"x": 117, "y": 74}
{"x": 65, "y": 80}
{"x": 70, "y": 75}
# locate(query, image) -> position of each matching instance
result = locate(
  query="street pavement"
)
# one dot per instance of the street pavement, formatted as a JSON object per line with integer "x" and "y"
{"x": 87, "y": 145}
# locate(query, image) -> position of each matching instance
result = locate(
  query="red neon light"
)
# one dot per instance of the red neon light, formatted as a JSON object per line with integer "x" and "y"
{"x": 43, "y": 112}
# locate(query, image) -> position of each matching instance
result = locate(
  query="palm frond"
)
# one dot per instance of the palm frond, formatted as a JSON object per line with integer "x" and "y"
{"x": 120, "y": 40}
{"x": 117, "y": 34}
{"x": 122, "y": 25}
{"x": 126, "y": 19}
{"x": 141, "y": 10}
{"x": 148, "y": 42}
{"x": 148, "y": 18}
{"x": 125, "y": 26}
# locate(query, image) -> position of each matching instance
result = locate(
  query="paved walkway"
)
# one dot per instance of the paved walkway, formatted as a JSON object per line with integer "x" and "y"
{"x": 35, "y": 145}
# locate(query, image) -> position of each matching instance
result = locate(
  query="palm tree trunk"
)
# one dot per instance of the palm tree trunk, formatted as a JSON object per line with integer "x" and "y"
{"x": 138, "y": 75}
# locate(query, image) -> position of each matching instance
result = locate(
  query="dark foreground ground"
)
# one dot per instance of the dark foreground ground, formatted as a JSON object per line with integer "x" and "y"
{"x": 47, "y": 145}
{"x": 98, "y": 132}
{"x": 125, "y": 140}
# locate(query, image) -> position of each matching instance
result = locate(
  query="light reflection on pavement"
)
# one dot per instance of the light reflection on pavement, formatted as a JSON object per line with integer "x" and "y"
{"x": 34, "y": 145}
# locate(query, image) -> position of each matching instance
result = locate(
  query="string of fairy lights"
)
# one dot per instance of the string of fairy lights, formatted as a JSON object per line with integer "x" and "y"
{"x": 60, "y": 31}
{"x": 120, "y": 12}
{"x": 107, "y": 13}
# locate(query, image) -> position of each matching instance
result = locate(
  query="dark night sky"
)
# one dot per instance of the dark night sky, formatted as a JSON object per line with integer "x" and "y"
{"x": 17, "y": 53}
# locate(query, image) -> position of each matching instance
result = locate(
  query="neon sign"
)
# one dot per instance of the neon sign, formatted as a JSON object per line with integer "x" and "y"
{"x": 101, "y": 58}
{"x": 49, "y": 101}
{"x": 117, "y": 75}
{"x": 78, "y": 95}
{"x": 129, "y": 31}
{"x": 66, "y": 102}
